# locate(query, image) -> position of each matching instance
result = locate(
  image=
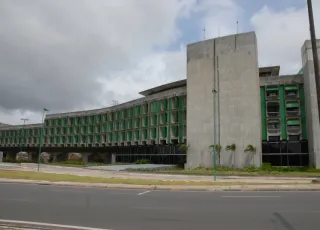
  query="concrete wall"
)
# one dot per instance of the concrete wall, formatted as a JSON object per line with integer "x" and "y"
{"x": 200, "y": 75}
{"x": 313, "y": 128}
{"x": 230, "y": 65}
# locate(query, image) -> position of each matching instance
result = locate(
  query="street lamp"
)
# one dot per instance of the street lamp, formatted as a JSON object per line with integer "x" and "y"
{"x": 214, "y": 92}
{"x": 24, "y": 122}
{"x": 40, "y": 135}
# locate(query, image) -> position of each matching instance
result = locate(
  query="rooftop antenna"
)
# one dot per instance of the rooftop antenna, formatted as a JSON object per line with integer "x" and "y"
{"x": 114, "y": 102}
{"x": 218, "y": 30}
{"x": 204, "y": 33}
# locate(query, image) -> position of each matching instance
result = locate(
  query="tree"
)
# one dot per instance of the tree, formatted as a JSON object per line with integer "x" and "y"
{"x": 251, "y": 149}
{"x": 217, "y": 148}
{"x": 232, "y": 148}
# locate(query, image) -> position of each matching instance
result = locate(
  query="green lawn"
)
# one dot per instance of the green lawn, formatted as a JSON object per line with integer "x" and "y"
{"x": 249, "y": 171}
{"x": 71, "y": 178}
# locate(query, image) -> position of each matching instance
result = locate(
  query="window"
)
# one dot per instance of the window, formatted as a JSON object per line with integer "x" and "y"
{"x": 273, "y": 109}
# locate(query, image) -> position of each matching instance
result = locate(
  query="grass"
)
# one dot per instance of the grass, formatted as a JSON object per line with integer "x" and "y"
{"x": 72, "y": 178}
{"x": 248, "y": 171}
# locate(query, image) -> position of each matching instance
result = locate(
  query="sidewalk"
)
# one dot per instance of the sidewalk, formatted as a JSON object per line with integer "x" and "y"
{"x": 165, "y": 177}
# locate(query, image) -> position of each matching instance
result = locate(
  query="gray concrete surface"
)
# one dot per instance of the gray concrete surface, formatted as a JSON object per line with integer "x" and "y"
{"x": 312, "y": 115}
{"x": 133, "y": 175}
{"x": 141, "y": 209}
{"x": 230, "y": 66}
{"x": 128, "y": 167}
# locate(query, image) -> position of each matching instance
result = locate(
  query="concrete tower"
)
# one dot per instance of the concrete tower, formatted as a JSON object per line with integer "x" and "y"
{"x": 313, "y": 128}
{"x": 230, "y": 66}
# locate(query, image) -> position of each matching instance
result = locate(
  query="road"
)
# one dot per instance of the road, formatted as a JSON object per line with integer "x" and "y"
{"x": 139, "y": 209}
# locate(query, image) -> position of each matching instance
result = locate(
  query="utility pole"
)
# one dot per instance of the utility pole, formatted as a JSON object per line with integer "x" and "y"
{"x": 22, "y": 135}
{"x": 315, "y": 52}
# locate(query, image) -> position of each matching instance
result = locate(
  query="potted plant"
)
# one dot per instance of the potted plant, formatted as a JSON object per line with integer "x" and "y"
{"x": 232, "y": 148}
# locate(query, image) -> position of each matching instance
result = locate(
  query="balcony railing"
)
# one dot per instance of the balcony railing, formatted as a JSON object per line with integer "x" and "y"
{"x": 274, "y": 130}
{"x": 273, "y": 114}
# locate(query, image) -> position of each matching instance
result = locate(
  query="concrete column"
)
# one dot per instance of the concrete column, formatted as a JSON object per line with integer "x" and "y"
{"x": 113, "y": 159}
{"x": 312, "y": 114}
{"x": 30, "y": 156}
{"x": 1, "y": 156}
{"x": 54, "y": 157}
{"x": 230, "y": 66}
{"x": 85, "y": 157}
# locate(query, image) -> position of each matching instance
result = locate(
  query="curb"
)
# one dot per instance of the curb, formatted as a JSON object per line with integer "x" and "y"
{"x": 218, "y": 188}
{"x": 12, "y": 224}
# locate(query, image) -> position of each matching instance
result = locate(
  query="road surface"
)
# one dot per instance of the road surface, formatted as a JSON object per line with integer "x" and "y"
{"x": 139, "y": 209}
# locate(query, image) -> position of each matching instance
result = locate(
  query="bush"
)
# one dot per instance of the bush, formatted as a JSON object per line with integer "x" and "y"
{"x": 266, "y": 167}
{"x": 142, "y": 161}
{"x": 8, "y": 160}
{"x": 69, "y": 162}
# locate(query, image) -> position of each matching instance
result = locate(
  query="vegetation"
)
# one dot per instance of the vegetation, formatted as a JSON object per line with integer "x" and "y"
{"x": 251, "y": 149}
{"x": 184, "y": 148}
{"x": 142, "y": 161}
{"x": 265, "y": 170}
{"x": 85, "y": 179}
{"x": 232, "y": 148}
{"x": 217, "y": 148}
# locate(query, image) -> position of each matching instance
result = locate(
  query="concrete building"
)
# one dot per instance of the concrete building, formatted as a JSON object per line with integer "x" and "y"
{"x": 266, "y": 117}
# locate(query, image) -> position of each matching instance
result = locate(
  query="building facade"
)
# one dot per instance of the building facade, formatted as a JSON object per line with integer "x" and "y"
{"x": 226, "y": 99}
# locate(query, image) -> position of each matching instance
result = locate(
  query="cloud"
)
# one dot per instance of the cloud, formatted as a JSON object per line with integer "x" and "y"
{"x": 82, "y": 54}
{"x": 281, "y": 35}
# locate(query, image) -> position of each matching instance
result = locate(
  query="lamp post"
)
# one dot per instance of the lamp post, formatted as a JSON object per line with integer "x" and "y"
{"x": 40, "y": 136}
{"x": 24, "y": 122}
{"x": 214, "y": 92}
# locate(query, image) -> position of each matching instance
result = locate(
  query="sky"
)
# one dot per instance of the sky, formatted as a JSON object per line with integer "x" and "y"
{"x": 83, "y": 54}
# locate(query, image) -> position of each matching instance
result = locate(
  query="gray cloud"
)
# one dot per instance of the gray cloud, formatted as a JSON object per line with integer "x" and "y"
{"x": 53, "y": 52}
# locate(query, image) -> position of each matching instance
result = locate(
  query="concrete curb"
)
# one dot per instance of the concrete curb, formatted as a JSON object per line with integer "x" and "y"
{"x": 13, "y": 224}
{"x": 282, "y": 187}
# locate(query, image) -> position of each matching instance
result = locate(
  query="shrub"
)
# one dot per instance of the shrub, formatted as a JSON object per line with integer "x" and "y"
{"x": 266, "y": 167}
{"x": 142, "y": 161}
{"x": 73, "y": 162}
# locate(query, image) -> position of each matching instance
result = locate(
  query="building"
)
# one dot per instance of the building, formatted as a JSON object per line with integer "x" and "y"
{"x": 225, "y": 93}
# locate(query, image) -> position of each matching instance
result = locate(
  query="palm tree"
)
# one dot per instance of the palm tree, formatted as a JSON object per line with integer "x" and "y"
{"x": 217, "y": 148}
{"x": 232, "y": 148}
{"x": 251, "y": 149}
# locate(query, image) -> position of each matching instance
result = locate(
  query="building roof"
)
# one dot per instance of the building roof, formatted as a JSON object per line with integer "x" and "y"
{"x": 274, "y": 70}
{"x": 165, "y": 87}
{"x": 3, "y": 125}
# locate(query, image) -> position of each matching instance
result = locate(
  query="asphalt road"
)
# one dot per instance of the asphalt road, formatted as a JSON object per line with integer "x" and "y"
{"x": 134, "y": 209}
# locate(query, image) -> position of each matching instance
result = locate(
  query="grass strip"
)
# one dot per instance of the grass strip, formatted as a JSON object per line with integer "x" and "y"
{"x": 26, "y": 175}
{"x": 229, "y": 173}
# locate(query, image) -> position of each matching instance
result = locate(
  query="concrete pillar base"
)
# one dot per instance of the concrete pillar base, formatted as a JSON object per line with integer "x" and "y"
{"x": 1, "y": 156}
{"x": 30, "y": 156}
{"x": 109, "y": 158}
{"x": 85, "y": 157}
{"x": 113, "y": 159}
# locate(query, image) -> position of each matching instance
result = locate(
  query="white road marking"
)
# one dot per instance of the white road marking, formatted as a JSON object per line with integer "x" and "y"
{"x": 38, "y": 224}
{"x": 142, "y": 193}
{"x": 17, "y": 200}
{"x": 251, "y": 196}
